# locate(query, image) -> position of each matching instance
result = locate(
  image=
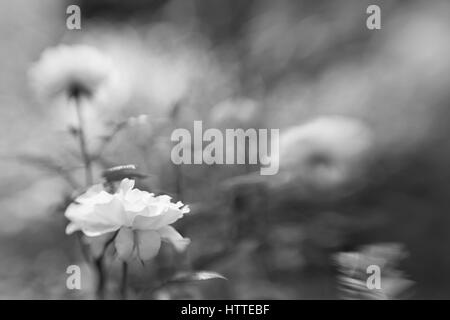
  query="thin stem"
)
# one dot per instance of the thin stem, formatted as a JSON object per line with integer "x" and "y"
{"x": 101, "y": 273}
{"x": 124, "y": 282}
{"x": 108, "y": 243}
{"x": 108, "y": 139}
{"x": 83, "y": 247}
{"x": 98, "y": 262}
{"x": 83, "y": 145}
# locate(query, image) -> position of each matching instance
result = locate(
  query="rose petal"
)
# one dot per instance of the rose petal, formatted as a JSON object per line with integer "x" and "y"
{"x": 148, "y": 244}
{"x": 95, "y": 220}
{"x": 136, "y": 200}
{"x": 94, "y": 197}
{"x": 71, "y": 228}
{"x": 98, "y": 230}
{"x": 156, "y": 222}
{"x": 111, "y": 213}
{"x": 97, "y": 244}
{"x": 124, "y": 243}
{"x": 126, "y": 185}
{"x": 169, "y": 233}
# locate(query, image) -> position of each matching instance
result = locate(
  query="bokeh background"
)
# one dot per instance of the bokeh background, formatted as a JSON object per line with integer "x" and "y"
{"x": 236, "y": 64}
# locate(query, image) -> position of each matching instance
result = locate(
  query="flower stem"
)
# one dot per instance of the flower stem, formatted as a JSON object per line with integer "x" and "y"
{"x": 98, "y": 262}
{"x": 83, "y": 247}
{"x": 83, "y": 145}
{"x": 100, "y": 293}
{"x": 124, "y": 282}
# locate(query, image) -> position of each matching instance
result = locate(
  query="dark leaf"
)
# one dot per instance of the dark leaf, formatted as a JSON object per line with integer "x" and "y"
{"x": 186, "y": 277}
{"x": 121, "y": 172}
{"x": 196, "y": 276}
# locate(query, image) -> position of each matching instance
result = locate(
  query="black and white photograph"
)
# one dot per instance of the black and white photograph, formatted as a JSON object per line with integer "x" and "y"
{"x": 226, "y": 150}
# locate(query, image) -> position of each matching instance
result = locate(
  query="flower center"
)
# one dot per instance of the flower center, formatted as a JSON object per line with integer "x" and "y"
{"x": 76, "y": 90}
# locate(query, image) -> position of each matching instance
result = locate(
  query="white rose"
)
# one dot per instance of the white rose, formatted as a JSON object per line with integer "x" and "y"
{"x": 141, "y": 219}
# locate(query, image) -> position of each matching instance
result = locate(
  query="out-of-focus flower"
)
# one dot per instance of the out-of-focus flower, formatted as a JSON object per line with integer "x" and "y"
{"x": 141, "y": 219}
{"x": 326, "y": 154}
{"x": 71, "y": 71}
{"x": 67, "y": 73}
{"x": 352, "y": 267}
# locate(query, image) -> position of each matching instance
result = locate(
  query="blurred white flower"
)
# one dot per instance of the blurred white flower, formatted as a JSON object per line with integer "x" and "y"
{"x": 71, "y": 71}
{"x": 142, "y": 218}
{"x": 325, "y": 154}
{"x": 80, "y": 75}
